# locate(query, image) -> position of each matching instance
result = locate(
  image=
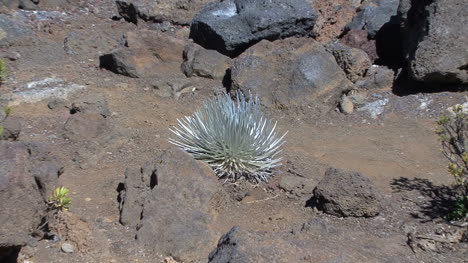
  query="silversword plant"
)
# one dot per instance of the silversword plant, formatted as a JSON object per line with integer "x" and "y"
{"x": 233, "y": 137}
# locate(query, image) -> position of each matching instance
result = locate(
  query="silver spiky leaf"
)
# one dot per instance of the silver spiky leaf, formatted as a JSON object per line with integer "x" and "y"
{"x": 233, "y": 137}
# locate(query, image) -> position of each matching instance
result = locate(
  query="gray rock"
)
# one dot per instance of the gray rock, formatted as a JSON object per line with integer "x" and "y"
{"x": 180, "y": 196}
{"x": 378, "y": 77}
{"x": 204, "y": 63}
{"x": 56, "y": 103}
{"x": 343, "y": 193}
{"x": 374, "y": 15}
{"x": 294, "y": 72}
{"x": 296, "y": 187}
{"x": 12, "y": 28}
{"x": 232, "y": 26}
{"x": 435, "y": 40}
{"x": 242, "y": 246}
{"x": 137, "y": 186}
{"x": 68, "y": 248}
{"x": 90, "y": 103}
{"x": 144, "y": 54}
{"x": 85, "y": 127}
{"x": 89, "y": 43}
{"x": 11, "y": 129}
{"x": 354, "y": 62}
{"x": 28, "y": 175}
{"x": 346, "y": 105}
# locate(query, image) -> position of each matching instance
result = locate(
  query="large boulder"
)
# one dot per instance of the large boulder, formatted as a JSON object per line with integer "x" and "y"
{"x": 344, "y": 193}
{"x": 436, "y": 40}
{"x": 173, "y": 201}
{"x": 28, "y": 175}
{"x": 294, "y": 72}
{"x": 232, "y": 26}
{"x": 179, "y": 12}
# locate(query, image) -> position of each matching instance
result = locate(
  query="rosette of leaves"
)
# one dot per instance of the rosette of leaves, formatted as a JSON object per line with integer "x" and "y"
{"x": 233, "y": 137}
{"x": 59, "y": 200}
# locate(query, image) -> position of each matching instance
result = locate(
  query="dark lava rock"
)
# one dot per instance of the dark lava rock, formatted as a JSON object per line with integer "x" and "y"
{"x": 294, "y": 72}
{"x": 204, "y": 63}
{"x": 242, "y": 246}
{"x": 173, "y": 200}
{"x": 232, "y": 26}
{"x": 374, "y": 15}
{"x": 28, "y": 175}
{"x": 435, "y": 40}
{"x": 343, "y": 193}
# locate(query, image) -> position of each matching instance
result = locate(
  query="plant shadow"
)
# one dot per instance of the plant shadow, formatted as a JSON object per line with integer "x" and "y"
{"x": 438, "y": 198}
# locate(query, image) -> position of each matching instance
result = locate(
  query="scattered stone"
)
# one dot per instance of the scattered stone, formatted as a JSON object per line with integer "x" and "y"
{"x": 45, "y": 89}
{"x": 435, "y": 40}
{"x": 56, "y": 103}
{"x": 173, "y": 88}
{"x": 90, "y": 103}
{"x": 378, "y": 77}
{"x": 89, "y": 43}
{"x": 12, "y": 55}
{"x": 296, "y": 187}
{"x": 68, "y": 248}
{"x": 204, "y": 63}
{"x": 346, "y": 105}
{"x": 11, "y": 129}
{"x": 375, "y": 108}
{"x": 85, "y": 127}
{"x": 373, "y": 15}
{"x": 152, "y": 193}
{"x": 12, "y": 29}
{"x": 231, "y": 26}
{"x": 343, "y": 193}
{"x": 28, "y": 175}
{"x": 294, "y": 72}
{"x": 354, "y": 62}
{"x": 358, "y": 39}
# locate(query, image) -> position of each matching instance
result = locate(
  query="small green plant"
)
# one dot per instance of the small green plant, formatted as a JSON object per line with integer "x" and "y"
{"x": 453, "y": 135}
{"x": 59, "y": 200}
{"x": 8, "y": 110}
{"x": 3, "y": 70}
{"x": 1, "y": 131}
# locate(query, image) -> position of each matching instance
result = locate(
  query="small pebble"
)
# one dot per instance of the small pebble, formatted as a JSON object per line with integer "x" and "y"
{"x": 68, "y": 248}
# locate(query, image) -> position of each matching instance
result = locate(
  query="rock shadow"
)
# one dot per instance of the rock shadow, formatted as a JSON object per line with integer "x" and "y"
{"x": 438, "y": 198}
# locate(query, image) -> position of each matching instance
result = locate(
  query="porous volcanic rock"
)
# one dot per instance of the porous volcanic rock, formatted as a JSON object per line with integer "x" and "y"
{"x": 435, "y": 40}
{"x": 344, "y": 193}
{"x": 232, "y": 26}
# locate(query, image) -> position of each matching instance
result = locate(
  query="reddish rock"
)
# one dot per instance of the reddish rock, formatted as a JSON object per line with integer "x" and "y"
{"x": 358, "y": 39}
